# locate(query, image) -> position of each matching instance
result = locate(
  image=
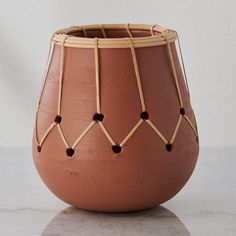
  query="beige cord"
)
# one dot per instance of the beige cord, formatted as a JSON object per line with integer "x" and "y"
{"x": 61, "y": 76}
{"x": 182, "y": 62}
{"x": 62, "y": 136}
{"x": 195, "y": 122}
{"x": 128, "y": 30}
{"x": 97, "y": 76}
{"x": 191, "y": 125}
{"x": 176, "y": 129}
{"x": 47, "y": 133}
{"x": 157, "y": 131}
{"x": 85, "y": 33}
{"x": 83, "y": 134}
{"x": 174, "y": 71}
{"x": 151, "y": 30}
{"x": 36, "y": 128}
{"x": 125, "y": 140}
{"x": 103, "y": 32}
{"x": 106, "y": 133}
{"x": 51, "y": 50}
{"x": 137, "y": 76}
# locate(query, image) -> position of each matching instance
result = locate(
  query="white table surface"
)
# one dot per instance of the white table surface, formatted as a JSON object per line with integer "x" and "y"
{"x": 205, "y": 206}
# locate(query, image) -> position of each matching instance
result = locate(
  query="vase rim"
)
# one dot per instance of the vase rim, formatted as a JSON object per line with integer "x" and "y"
{"x": 158, "y": 36}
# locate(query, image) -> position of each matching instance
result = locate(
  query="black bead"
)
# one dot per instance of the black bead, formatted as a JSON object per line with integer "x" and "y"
{"x": 70, "y": 152}
{"x": 116, "y": 148}
{"x": 182, "y": 111}
{"x": 58, "y": 119}
{"x": 39, "y": 148}
{"x": 144, "y": 115}
{"x": 168, "y": 147}
{"x": 98, "y": 117}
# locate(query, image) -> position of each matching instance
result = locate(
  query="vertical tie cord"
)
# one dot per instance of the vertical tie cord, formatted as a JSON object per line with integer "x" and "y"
{"x": 151, "y": 30}
{"x": 36, "y": 129}
{"x": 85, "y": 33}
{"x": 140, "y": 90}
{"x": 174, "y": 71}
{"x": 128, "y": 30}
{"x": 96, "y": 55}
{"x": 195, "y": 122}
{"x": 182, "y": 62}
{"x": 61, "y": 76}
{"x": 103, "y": 32}
{"x": 50, "y": 52}
{"x": 51, "y": 49}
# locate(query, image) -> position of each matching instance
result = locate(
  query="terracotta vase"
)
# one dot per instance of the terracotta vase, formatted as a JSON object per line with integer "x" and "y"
{"x": 115, "y": 130}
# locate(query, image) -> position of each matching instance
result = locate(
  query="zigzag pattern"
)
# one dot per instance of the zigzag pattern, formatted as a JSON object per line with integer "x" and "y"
{"x": 98, "y": 117}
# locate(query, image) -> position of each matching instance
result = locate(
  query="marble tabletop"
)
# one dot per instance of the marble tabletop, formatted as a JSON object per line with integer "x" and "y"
{"x": 205, "y": 206}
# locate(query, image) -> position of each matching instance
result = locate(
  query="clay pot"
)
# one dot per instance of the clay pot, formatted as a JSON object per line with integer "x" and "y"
{"x": 115, "y": 130}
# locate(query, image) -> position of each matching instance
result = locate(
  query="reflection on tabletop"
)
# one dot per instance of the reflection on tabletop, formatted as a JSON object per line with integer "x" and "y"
{"x": 156, "y": 221}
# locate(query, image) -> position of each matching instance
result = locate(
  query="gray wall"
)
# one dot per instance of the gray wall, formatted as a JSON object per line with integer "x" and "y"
{"x": 206, "y": 28}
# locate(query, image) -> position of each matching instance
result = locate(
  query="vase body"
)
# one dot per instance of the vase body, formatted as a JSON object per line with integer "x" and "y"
{"x": 115, "y": 130}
